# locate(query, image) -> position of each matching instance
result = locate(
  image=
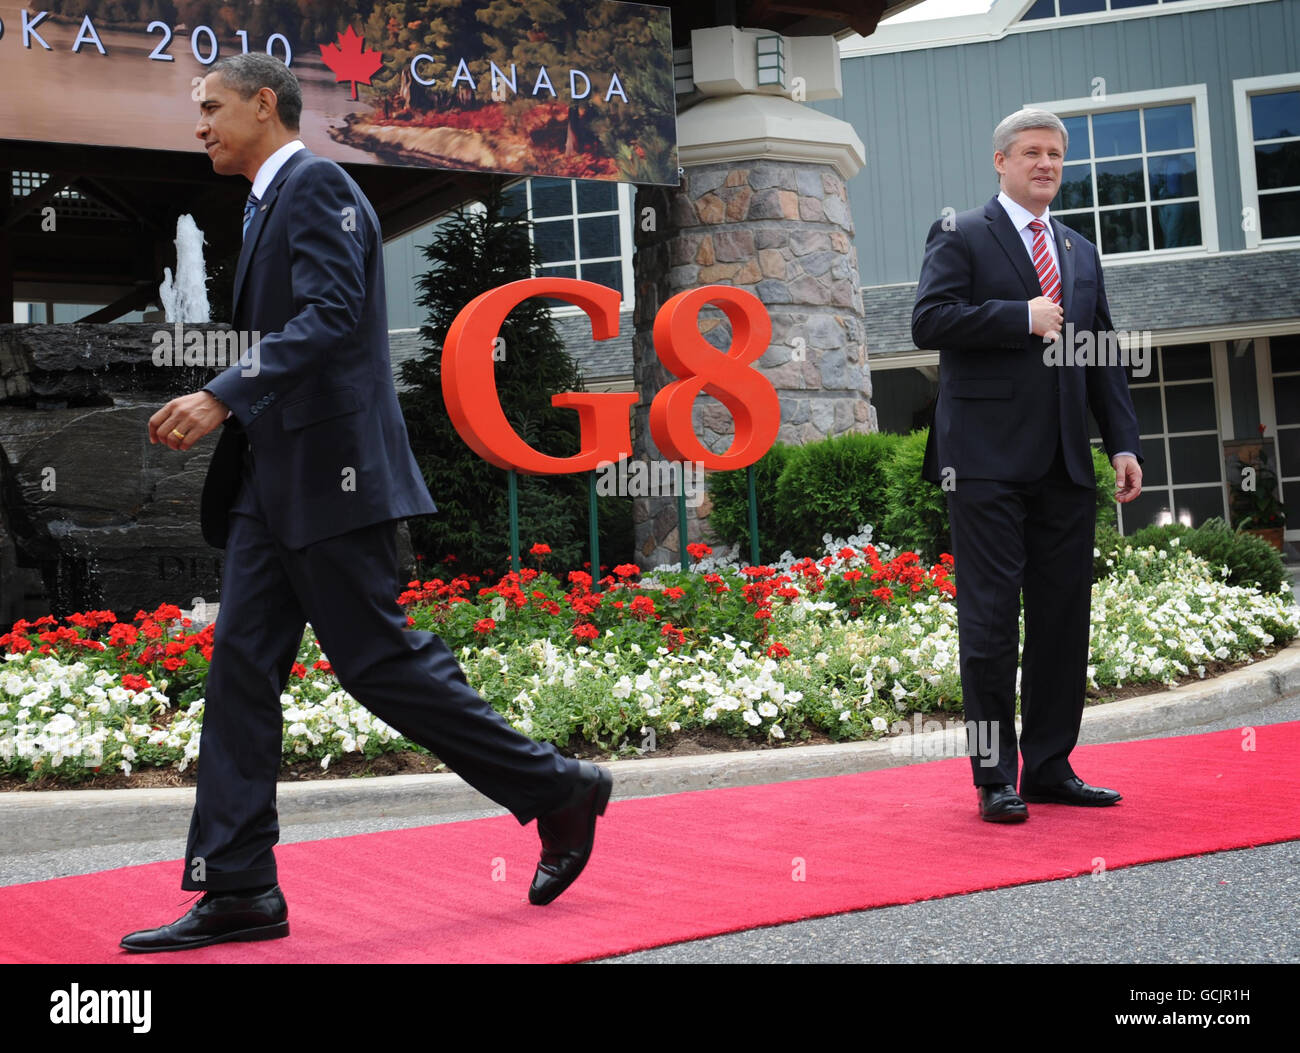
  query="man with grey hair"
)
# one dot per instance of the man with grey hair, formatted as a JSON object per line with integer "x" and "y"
{"x": 999, "y": 286}
{"x": 312, "y": 471}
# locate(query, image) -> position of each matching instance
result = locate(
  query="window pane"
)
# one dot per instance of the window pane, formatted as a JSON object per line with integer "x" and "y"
{"x": 1288, "y": 453}
{"x": 1275, "y": 116}
{"x": 1286, "y": 399}
{"x": 1177, "y": 226}
{"x": 597, "y": 197}
{"x": 1079, "y": 7}
{"x": 554, "y": 240}
{"x": 516, "y": 199}
{"x": 1195, "y": 459}
{"x": 1077, "y": 130}
{"x": 1169, "y": 127}
{"x": 598, "y": 236}
{"x": 552, "y": 197}
{"x": 1041, "y": 9}
{"x": 1190, "y": 407}
{"x": 1277, "y": 165}
{"x": 1145, "y": 509}
{"x": 610, "y": 274}
{"x": 1172, "y": 175}
{"x": 1146, "y": 403}
{"x": 1187, "y": 362}
{"x": 1083, "y": 222}
{"x": 1115, "y": 4}
{"x": 1124, "y": 230}
{"x": 1198, "y": 505}
{"x": 1116, "y": 133}
{"x": 1120, "y": 182}
{"x": 1076, "y": 188}
{"x": 1279, "y": 215}
{"x": 1285, "y": 352}
{"x": 1154, "y": 470}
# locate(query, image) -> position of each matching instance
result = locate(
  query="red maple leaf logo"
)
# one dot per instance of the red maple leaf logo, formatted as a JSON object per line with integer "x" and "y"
{"x": 350, "y": 60}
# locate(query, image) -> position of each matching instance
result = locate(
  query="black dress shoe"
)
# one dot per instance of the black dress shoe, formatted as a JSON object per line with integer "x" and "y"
{"x": 219, "y": 917}
{"x": 1073, "y": 791}
{"x": 1001, "y": 804}
{"x": 568, "y": 833}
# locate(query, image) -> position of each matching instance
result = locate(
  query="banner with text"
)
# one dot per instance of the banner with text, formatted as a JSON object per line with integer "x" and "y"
{"x": 578, "y": 89}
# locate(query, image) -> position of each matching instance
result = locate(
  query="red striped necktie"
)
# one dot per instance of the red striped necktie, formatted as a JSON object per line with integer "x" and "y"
{"x": 1048, "y": 280}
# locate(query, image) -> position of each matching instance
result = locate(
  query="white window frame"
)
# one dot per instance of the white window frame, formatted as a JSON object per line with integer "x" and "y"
{"x": 1268, "y": 417}
{"x": 1147, "y": 10}
{"x": 1242, "y": 90}
{"x": 1198, "y": 96}
{"x": 1218, "y": 380}
{"x": 625, "y": 191}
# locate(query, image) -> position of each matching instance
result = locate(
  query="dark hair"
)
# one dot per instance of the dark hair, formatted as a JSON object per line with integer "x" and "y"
{"x": 247, "y": 74}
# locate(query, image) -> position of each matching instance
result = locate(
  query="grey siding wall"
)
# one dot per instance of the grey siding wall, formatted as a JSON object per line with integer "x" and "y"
{"x": 926, "y": 117}
{"x": 404, "y": 263}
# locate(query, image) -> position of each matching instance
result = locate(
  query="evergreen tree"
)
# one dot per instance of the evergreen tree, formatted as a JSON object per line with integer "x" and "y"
{"x": 472, "y": 252}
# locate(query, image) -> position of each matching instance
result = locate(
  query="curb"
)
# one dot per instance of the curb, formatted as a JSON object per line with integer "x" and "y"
{"x": 82, "y": 818}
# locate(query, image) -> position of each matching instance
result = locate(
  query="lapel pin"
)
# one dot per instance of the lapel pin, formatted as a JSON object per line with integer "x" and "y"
{"x": 1068, "y": 246}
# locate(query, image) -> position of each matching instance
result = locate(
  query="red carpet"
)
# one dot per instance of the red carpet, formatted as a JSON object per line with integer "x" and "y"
{"x": 681, "y": 867}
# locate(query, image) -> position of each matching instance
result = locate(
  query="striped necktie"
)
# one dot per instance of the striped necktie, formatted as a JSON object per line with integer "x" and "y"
{"x": 1048, "y": 280}
{"x": 250, "y": 207}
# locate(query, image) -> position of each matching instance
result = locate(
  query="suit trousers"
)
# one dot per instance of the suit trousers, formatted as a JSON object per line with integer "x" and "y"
{"x": 1035, "y": 538}
{"x": 347, "y": 587}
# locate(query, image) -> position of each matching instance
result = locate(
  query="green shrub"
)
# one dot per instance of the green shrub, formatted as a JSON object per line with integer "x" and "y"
{"x": 1106, "y": 540}
{"x": 833, "y": 486}
{"x": 1105, "y": 475}
{"x": 729, "y": 493}
{"x": 1251, "y": 561}
{"x": 917, "y": 510}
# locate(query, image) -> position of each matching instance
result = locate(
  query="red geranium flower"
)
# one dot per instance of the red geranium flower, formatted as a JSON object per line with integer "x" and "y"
{"x": 540, "y": 550}
{"x": 586, "y": 631}
{"x": 484, "y": 625}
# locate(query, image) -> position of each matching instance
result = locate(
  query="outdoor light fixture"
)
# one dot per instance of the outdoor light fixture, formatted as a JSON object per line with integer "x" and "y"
{"x": 771, "y": 60}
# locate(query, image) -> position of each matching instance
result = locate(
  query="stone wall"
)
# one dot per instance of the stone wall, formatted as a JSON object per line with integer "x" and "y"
{"x": 783, "y": 231}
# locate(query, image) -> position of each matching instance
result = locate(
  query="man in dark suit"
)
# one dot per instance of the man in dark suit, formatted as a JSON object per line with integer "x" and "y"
{"x": 312, "y": 471}
{"x": 1009, "y": 444}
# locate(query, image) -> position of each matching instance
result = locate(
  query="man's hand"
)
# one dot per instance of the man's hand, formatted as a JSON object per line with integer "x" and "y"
{"x": 1128, "y": 478}
{"x": 1047, "y": 317}
{"x": 185, "y": 420}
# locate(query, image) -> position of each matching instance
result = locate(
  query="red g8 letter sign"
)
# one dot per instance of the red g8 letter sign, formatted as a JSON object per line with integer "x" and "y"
{"x": 469, "y": 383}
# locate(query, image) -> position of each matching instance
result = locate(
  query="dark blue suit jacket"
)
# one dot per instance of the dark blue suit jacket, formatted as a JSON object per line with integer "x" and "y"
{"x": 1000, "y": 406}
{"x": 330, "y": 446}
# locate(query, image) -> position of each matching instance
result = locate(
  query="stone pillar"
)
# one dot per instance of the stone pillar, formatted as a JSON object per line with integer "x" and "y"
{"x": 762, "y": 205}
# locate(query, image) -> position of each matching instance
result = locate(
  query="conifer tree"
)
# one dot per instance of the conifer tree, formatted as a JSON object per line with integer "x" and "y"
{"x": 473, "y": 251}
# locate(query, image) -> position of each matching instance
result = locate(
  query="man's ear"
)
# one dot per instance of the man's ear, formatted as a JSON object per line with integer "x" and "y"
{"x": 266, "y": 104}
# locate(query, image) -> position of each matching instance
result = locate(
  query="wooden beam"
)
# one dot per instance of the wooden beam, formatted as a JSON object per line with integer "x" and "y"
{"x": 55, "y": 184}
{"x": 140, "y": 297}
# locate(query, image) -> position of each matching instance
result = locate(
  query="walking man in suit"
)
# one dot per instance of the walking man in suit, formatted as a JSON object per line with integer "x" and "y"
{"x": 312, "y": 470}
{"x": 1009, "y": 443}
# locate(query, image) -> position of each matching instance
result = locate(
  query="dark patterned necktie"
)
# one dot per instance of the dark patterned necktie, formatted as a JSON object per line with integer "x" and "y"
{"x": 250, "y": 207}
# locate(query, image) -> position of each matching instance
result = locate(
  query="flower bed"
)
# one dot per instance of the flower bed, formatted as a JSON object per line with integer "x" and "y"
{"x": 842, "y": 647}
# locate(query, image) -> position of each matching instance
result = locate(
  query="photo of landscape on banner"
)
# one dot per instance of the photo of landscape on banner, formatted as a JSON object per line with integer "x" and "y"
{"x": 579, "y": 89}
